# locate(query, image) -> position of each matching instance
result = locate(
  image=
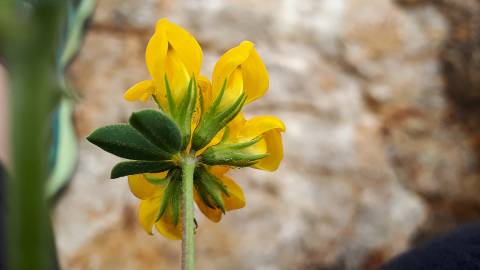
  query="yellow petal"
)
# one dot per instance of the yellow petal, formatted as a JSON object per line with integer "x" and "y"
{"x": 219, "y": 170}
{"x": 235, "y": 127}
{"x": 259, "y": 148}
{"x": 187, "y": 47}
{"x": 141, "y": 188}
{"x": 140, "y": 91}
{"x": 227, "y": 64}
{"x": 166, "y": 227}
{"x": 148, "y": 212}
{"x": 273, "y": 139}
{"x": 206, "y": 90}
{"x": 253, "y": 74}
{"x": 234, "y": 88}
{"x": 177, "y": 74}
{"x": 156, "y": 53}
{"x": 174, "y": 53}
{"x": 255, "y": 77}
{"x": 236, "y": 199}
{"x": 215, "y": 140}
{"x": 214, "y": 215}
{"x": 261, "y": 124}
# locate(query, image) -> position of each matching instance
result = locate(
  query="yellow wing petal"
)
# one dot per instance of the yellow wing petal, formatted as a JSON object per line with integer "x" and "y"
{"x": 141, "y": 188}
{"x": 235, "y": 127}
{"x": 148, "y": 212}
{"x": 273, "y": 140}
{"x": 166, "y": 227}
{"x": 261, "y": 124}
{"x": 140, "y": 91}
{"x": 206, "y": 90}
{"x": 236, "y": 199}
{"x": 214, "y": 215}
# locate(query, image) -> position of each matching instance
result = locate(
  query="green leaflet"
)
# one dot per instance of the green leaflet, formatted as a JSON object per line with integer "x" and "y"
{"x": 124, "y": 141}
{"x": 137, "y": 167}
{"x": 158, "y": 128}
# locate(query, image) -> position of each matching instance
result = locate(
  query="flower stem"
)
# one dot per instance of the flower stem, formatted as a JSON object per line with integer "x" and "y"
{"x": 188, "y": 241}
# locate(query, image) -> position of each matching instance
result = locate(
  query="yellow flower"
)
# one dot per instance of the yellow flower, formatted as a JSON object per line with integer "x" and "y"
{"x": 172, "y": 54}
{"x": 151, "y": 196}
{"x": 173, "y": 59}
{"x": 242, "y": 71}
{"x": 269, "y": 128}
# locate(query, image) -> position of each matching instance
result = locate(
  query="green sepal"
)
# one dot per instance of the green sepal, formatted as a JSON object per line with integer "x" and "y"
{"x": 183, "y": 111}
{"x": 232, "y": 154}
{"x": 158, "y": 128}
{"x": 172, "y": 190}
{"x": 213, "y": 120}
{"x": 136, "y": 167}
{"x": 124, "y": 141}
{"x": 210, "y": 189}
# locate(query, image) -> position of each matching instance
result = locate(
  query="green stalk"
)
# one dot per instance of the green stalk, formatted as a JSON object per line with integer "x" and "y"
{"x": 29, "y": 50}
{"x": 188, "y": 241}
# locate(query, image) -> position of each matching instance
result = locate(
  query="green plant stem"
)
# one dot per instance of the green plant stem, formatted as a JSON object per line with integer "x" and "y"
{"x": 29, "y": 50}
{"x": 188, "y": 241}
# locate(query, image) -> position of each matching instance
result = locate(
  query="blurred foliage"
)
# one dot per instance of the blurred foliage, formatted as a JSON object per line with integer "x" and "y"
{"x": 38, "y": 40}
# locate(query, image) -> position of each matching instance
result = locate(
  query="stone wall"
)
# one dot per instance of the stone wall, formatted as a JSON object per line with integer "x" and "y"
{"x": 381, "y": 149}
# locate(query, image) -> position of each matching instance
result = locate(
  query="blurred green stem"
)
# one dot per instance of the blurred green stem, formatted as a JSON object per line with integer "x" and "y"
{"x": 29, "y": 32}
{"x": 188, "y": 241}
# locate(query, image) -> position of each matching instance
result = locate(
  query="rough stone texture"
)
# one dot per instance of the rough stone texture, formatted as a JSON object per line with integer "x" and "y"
{"x": 381, "y": 149}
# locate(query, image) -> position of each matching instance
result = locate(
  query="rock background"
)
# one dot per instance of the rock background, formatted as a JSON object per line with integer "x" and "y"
{"x": 382, "y": 144}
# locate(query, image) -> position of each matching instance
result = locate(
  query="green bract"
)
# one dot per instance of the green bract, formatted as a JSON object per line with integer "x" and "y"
{"x": 232, "y": 154}
{"x": 210, "y": 189}
{"x": 182, "y": 111}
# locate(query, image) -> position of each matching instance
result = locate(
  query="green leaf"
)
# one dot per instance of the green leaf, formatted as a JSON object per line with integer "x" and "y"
{"x": 158, "y": 128}
{"x": 136, "y": 167}
{"x": 124, "y": 141}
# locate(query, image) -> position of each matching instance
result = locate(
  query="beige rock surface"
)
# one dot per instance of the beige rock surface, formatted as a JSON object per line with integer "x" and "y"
{"x": 373, "y": 156}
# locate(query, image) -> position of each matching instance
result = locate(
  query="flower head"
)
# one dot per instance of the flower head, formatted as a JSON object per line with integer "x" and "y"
{"x": 197, "y": 120}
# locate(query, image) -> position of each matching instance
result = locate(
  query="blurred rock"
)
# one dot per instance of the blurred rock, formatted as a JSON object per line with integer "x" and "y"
{"x": 375, "y": 152}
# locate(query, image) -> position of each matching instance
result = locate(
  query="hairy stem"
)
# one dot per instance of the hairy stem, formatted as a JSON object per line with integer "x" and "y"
{"x": 188, "y": 241}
